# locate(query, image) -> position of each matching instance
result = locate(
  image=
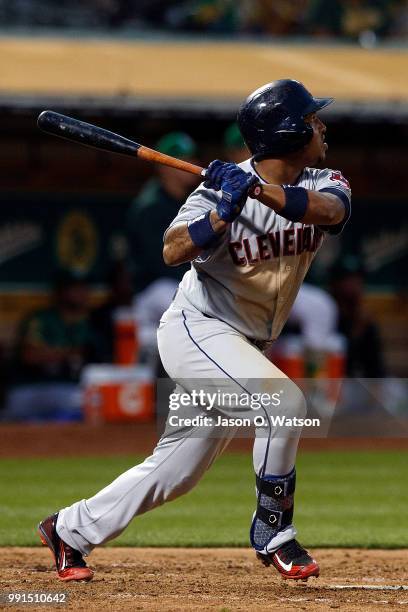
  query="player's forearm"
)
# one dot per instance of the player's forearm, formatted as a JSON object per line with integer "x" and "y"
{"x": 178, "y": 245}
{"x": 322, "y": 208}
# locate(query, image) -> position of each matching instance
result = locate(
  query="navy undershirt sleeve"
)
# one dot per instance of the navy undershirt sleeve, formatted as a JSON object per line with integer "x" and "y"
{"x": 338, "y": 228}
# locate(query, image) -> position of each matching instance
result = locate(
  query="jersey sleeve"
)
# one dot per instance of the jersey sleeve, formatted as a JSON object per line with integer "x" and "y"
{"x": 332, "y": 181}
{"x": 199, "y": 202}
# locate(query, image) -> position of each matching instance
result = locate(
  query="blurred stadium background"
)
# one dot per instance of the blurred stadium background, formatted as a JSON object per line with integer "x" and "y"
{"x": 81, "y": 281}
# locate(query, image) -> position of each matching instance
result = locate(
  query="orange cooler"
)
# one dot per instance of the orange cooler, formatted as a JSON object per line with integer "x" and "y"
{"x": 126, "y": 344}
{"x": 117, "y": 393}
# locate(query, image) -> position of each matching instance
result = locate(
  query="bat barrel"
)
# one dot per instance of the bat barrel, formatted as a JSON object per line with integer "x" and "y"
{"x": 85, "y": 133}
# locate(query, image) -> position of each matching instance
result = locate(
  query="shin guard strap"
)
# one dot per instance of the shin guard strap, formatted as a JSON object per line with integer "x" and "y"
{"x": 281, "y": 487}
{"x": 275, "y": 518}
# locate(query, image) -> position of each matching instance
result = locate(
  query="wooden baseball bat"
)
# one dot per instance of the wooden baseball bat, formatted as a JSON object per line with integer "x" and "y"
{"x": 100, "y": 138}
{"x": 94, "y": 136}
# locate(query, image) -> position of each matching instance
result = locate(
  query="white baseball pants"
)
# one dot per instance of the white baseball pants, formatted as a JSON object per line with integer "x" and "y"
{"x": 192, "y": 346}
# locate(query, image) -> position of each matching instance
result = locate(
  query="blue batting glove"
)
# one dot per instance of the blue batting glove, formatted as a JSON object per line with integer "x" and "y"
{"x": 235, "y": 186}
{"x": 215, "y": 173}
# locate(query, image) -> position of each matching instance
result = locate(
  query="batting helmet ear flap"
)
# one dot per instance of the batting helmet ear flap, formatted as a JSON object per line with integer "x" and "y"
{"x": 271, "y": 119}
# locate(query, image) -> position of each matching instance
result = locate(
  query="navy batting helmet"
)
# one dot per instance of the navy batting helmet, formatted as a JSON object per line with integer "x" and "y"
{"x": 271, "y": 119}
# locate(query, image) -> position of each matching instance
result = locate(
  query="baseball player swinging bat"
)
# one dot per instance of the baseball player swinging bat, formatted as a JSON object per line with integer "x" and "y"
{"x": 100, "y": 138}
{"x": 248, "y": 257}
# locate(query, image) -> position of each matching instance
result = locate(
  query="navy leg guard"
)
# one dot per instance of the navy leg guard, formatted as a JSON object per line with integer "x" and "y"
{"x": 275, "y": 508}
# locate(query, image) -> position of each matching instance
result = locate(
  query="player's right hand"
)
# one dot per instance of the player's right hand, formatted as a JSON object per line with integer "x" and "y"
{"x": 234, "y": 184}
{"x": 216, "y": 172}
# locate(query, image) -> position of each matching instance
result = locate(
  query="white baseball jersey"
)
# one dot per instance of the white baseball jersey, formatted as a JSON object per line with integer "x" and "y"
{"x": 250, "y": 279}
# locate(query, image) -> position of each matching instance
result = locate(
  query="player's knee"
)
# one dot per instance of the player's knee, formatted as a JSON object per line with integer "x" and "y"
{"x": 180, "y": 488}
{"x": 299, "y": 402}
{"x": 178, "y": 483}
{"x": 288, "y": 402}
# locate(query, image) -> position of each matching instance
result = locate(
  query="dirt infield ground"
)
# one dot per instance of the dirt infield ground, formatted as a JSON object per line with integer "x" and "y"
{"x": 74, "y": 440}
{"x": 209, "y": 579}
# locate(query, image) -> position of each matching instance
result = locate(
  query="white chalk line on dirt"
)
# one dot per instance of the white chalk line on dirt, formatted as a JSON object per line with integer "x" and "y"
{"x": 369, "y": 587}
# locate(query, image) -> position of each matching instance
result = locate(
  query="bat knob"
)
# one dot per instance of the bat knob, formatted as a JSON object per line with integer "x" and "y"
{"x": 49, "y": 121}
{"x": 41, "y": 118}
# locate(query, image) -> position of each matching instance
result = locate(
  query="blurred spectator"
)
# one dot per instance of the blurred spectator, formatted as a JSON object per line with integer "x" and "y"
{"x": 364, "y": 350}
{"x": 102, "y": 319}
{"x": 324, "y": 17}
{"x": 67, "y": 13}
{"x": 218, "y": 16}
{"x": 315, "y": 312}
{"x": 149, "y": 216}
{"x": 275, "y": 17}
{"x": 148, "y": 307}
{"x": 112, "y": 13}
{"x": 361, "y": 20}
{"x": 52, "y": 347}
{"x": 235, "y": 149}
{"x": 399, "y": 24}
{"x": 311, "y": 330}
{"x": 152, "y": 211}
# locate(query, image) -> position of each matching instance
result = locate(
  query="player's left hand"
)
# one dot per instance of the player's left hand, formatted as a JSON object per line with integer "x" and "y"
{"x": 234, "y": 184}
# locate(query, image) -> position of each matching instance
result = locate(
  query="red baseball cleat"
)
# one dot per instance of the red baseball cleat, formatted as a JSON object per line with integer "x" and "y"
{"x": 68, "y": 561}
{"x": 292, "y": 561}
